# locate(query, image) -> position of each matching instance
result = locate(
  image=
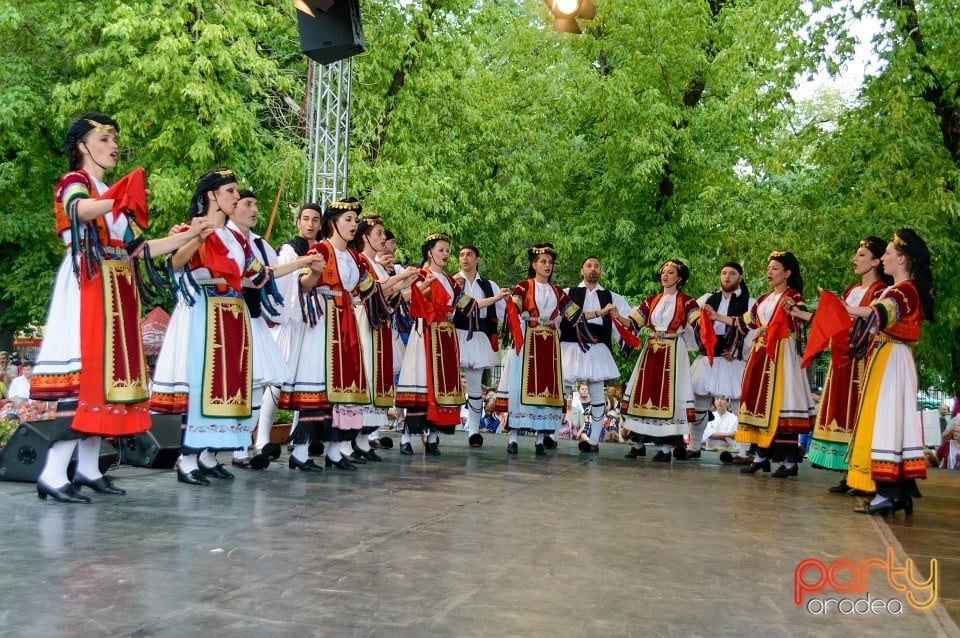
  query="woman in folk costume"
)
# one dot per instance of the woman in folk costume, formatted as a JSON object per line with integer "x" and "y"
{"x": 841, "y": 391}
{"x": 205, "y": 367}
{"x": 531, "y": 384}
{"x": 775, "y": 402}
{"x": 91, "y": 359}
{"x": 658, "y": 402}
{"x": 377, "y": 343}
{"x": 328, "y": 383}
{"x": 887, "y": 452}
{"x": 430, "y": 386}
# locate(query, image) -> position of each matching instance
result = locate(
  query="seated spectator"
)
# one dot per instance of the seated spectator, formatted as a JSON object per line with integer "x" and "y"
{"x": 19, "y": 390}
{"x": 7, "y": 371}
{"x": 948, "y": 454}
{"x": 720, "y": 432}
{"x": 489, "y": 421}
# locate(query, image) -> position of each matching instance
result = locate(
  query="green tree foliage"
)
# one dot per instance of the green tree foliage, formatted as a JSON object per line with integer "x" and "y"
{"x": 666, "y": 130}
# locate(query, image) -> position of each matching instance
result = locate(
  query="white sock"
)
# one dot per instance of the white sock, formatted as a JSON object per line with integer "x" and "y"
{"x": 54, "y": 471}
{"x": 188, "y": 463}
{"x": 301, "y": 452}
{"x": 363, "y": 443}
{"x": 514, "y": 435}
{"x": 433, "y": 437}
{"x": 268, "y": 410}
{"x": 346, "y": 449}
{"x": 405, "y": 438}
{"x": 879, "y": 500}
{"x": 638, "y": 445}
{"x": 88, "y": 457}
{"x": 596, "y": 422}
{"x": 208, "y": 458}
{"x": 665, "y": 448}
{"x": 540, "y": 436}
{"x": 789, "y": 465}
{"x": 333, "y": 451}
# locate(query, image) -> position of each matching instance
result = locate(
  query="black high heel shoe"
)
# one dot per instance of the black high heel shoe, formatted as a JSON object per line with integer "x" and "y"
{"x": 102, "y": 485}
{"x": 217, "y": 471}
{"x": 905, "y": 504}
{"x": 783, "y": 471}
{"x": 756, "y": 466}
{"x": 884, "y": 509}
{"x": 342, "y": 464}
{"x": 840, "y": 488}
{"x": 66, "y": 493}
{"x": 194, "y": 477}
{"x": 305, "y": 466}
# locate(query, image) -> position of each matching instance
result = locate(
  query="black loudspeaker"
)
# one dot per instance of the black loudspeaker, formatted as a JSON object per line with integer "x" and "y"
{"x": 25, "y": 453}
{"x": 157, "y": 447}
{"x": 332, "y": 35}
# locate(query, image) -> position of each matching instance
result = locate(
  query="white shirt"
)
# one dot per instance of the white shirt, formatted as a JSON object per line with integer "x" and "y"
{"x": 473, "y": 289}
{"x": 726, "y": 424}
{"x": 19, "y": 388}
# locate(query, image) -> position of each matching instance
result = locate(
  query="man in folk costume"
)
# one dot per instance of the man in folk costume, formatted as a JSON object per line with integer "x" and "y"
{"x": 718, "y": 369}
{"x": 477, "y": 334}
{"x": 269, "y": 365}
{"x": 602, "y": 309}
{"x": 290, "y": 321}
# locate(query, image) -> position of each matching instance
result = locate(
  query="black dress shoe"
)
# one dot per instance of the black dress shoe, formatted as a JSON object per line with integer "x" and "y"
{"x": 306, "y": 466}
{"x": 549, "y": 442}
{"x": 359, "y": 459}
{"x": 195, "y": 477}
{"x": 272, "y": 450}
{"x": 475, "y": 440}
{"x": 433, "y": 449}
{"x": 217, "y": 471}
{"x": 259, "y": 461}
{"x": 680, "y": 452}
{"x": 726, "y": 458}
{"x": 243, "y": 464}
{"x": 540, "y": 450}
{"x": 784, "y": 472}
{"x": 342, "y": 464}
{"x": 753, "y": 467}
{"x": 367, "y": 455}
{"x": 66, "y": 493}
{"x": 635, "y": 453}
{"x": 661, "y": 457}
{"x": 742, "y": 460}
{"x": 512, "y": 449}
{"x": 385, "y": 442}
{"x": 102, "y": 485}
{"x": 693, "y": 454}
{"x": 406, "y": 449}
{"x": 586, "y": 448}
{"x": 840, "y": 488}
{"x": 375, "y": 444}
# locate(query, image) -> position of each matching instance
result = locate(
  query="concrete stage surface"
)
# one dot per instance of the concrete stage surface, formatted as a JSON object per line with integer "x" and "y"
{"x": 471, "y": 543}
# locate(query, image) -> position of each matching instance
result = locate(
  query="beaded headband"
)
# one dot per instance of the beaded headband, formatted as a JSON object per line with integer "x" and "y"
{"x": 544, "y": 250}
{"x": 898, "y": 241}
{"x": 671, "y": 262}
{"x": 345, "y": 205}
{"x": 777, "y": 253}
{"x": 437, "y": 237}
{"x": 372, "y": 220}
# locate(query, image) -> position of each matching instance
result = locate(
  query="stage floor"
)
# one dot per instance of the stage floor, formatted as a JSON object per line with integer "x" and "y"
{"x": 471, "y": 543}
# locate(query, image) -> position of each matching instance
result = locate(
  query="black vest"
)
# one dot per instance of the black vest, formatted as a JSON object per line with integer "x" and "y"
{"x": 736, "y": 308}
{"x": 299, "y": 245}
{"x": 488, "y": 316}
{"x": 252, "y": 295}
{"x": 601, "y": 333}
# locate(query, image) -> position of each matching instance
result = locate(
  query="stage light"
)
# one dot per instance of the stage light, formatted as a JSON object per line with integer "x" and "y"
{"x": 566, "y": 12}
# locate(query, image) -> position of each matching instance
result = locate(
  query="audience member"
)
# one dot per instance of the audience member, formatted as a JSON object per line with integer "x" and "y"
{"x": 19, "y": 389}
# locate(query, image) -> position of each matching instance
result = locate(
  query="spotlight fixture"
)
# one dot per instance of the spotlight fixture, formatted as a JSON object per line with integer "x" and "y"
{"x": 566, "y": 12}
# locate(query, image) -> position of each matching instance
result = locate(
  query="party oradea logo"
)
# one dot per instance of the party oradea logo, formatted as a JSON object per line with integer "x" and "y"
{"x": 814, "y": 582}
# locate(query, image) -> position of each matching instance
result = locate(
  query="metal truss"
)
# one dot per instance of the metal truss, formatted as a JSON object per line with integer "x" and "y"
{"x": 328, "y": 131}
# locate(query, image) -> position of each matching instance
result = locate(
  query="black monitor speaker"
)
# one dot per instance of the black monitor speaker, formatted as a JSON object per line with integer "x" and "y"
{"x": 25, "y": 453}
{"x": 158, "y": 447}
{"x": 335, "y": 34}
